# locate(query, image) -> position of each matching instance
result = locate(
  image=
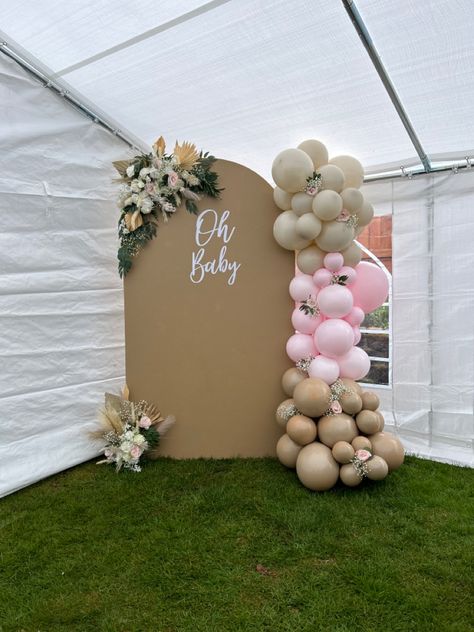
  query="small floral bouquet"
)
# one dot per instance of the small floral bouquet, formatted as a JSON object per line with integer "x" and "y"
{"x": 131, "y": 430}
{"x": 155, "y": 185}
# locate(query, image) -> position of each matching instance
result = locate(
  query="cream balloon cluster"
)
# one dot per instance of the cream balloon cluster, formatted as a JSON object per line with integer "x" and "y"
{"x": 333, "y": 428}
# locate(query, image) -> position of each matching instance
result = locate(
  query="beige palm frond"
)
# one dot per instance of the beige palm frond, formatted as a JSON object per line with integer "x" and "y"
{"x": 121, "y": 166}
{"x": 109, "y": 421}
{"x": 125, "y": 392}
{"x": 152, "y": 412}
{"x": 165, "y": 425}
{"x": 159, "y": 146}
{"x": 186, "y": 154}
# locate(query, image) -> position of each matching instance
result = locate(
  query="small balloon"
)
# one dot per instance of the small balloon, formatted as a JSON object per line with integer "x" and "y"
{"x": 355, "y": 364}
{"x": 335, "y": 301}
{"x": 332, "y": 178}
{"x": 389, "y": 447}
{"x": 352, "y": 199}
{"x": 343, "y": 452}
{"x": 301, "y": 429}
{"x": 305, "y": 323}
{"x": 352, "y": 255}
{"x": 377, "y": 468}
{"x": 287, "y": 451}
{"x": 284, "y": 411}
{"x": 291, "y": 169}
{"x": 365, "y": 214}
{"x": 302, "y": 287}
{"x": 325, "y": 369}
{"x": 361, "y": 443}
{"x": 355, "y": 317}
{"x": 370, "y": 400}
{"x": 316, "y": 151}
{"x": 333, "y": 261}
{"x": 322, "y": 278}
{"x": 367, "y": 422}
{"x": 312, "y": 397}
{"x": 334, "y": 338}
{"x": 284, "y": 232}
{"x": 327, "y": 205}
{"x": 335, "y": 236}
{"x": 351, "y": 403}
{"x": 348, "y": 272}
{"x": 308, "y": 226}
{"x": 291, "y": 377}
{"x": 282, "y": 199}
{"x": 300, "y": 346}
{"x": 357, "y": 335}
{"x": 349, "y": 475}
{"x": 352, "y": 169}
{"x": 310, "y": 259}
{"x": 301, "y": 203}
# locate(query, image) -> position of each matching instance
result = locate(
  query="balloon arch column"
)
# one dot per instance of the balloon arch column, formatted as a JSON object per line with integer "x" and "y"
{"x": 333, "y": 428}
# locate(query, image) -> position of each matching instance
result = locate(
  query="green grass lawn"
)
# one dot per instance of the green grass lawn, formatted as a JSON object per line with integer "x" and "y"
{"x": 237, "y": 545}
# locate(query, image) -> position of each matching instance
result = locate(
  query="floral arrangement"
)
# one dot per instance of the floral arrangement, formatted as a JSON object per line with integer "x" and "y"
{"x": 131, "y": 430}
{"x": 155, "y": 185}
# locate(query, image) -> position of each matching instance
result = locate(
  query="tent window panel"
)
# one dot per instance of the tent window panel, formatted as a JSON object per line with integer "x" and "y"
{"x": 379, "y": 373}
{"x": 376, "y": 345}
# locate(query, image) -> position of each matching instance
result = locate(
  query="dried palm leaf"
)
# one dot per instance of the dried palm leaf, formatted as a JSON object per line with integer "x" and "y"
{"x": 165, "y": 425}
{"x": 125, "y": 392}
{"x": 152, "y": 412}
{"x": 109, "y": 421}
{"x": 186, "y": 154}
{"x": 121, "y": 166}
{"x": 159, "y": 146}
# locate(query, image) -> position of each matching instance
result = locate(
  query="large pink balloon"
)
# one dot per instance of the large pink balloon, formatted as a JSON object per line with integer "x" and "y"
{"x": 355, "y": 364}
{"x": 302, "y": 287}
{"x": 370, "y": 289}
{"x": 335, "y": 301}
{"x": 334, "y": 337}
{"x": 326, "y": 369}
{"x": 300, "y": 346}
{"x": 303, "y": 323}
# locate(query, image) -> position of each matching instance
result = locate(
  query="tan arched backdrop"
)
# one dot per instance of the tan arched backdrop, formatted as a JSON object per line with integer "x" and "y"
{"x": 213, "y": 353}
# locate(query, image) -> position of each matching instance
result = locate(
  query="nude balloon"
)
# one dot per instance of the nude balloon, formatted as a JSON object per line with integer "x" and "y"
{"x": 334, "y": 338}
{"x": 371, "y": 287}
{"x": 291, "y": 168}
{"x": 300, "y": 346}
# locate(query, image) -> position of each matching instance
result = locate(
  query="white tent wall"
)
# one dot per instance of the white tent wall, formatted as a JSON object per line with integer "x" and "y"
{"x": 61, "y": 307}
{"x": 430, "y": 403}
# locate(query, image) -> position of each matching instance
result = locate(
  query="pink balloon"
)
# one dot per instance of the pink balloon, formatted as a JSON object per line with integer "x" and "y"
{"x": 357, "y": 335}
{"x": 355, "y": 364}
{"x": 300, "y": 346}
{"x": 350, "y": 273}
{"x": 302, "y": 287}
{"x": 322, "y": 277}
{"x": 333, "y": 261}
{"x": 324, "y": 368}
{"x": 334, "y": 337}
{"x": 335, "y": 301}
{"x": 304, "y": 324}
{"x": 370, "y": 289}
{"x": 355, "y": 317}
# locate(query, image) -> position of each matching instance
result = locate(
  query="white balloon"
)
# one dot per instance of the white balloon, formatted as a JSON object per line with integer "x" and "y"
{"x": 352, "y": 199}
{"x": 316, "y": 151}
{"x": 352, "y": 169}
{"x": 290, "y": 170}
{"x": 310, "y": 259}
{"x": 332, "y": 178}
{"x": 284, "y": 231}
{"x": 365, "y": 214}
{"x": 301, "y": 203}
{"x": 335, "y": 236}
{"x": 282, "y": 199}
{"x": 308, "y": 226}
{"x": 327, "y": 205}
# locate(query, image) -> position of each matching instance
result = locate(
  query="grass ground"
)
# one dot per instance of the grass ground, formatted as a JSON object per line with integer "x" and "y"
{"x": 191, "y": 546}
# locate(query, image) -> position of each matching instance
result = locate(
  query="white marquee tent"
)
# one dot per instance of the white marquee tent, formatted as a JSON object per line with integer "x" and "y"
{"x": 82, "y": 81}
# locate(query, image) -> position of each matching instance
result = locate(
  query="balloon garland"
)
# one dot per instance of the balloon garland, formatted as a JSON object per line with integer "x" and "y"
{"x": 333, "y": 428}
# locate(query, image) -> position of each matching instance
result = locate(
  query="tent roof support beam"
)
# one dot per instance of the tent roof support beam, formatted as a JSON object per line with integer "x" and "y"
{"x": 369, "y": 46}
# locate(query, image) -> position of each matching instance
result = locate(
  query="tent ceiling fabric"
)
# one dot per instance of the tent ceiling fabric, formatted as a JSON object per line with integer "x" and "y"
{"x": 246, "y": 79}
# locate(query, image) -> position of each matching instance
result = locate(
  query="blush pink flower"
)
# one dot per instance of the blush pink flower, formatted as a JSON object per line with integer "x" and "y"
{"x": 145, "y": 422}
{"x": 136, "y": 452}
{"x": 172, "y": 178}
{"x": 363, "y": 455}
{"x": 336, "y": 408}
{"x": 311, "y": 191}
{"x": 343, "y": 216}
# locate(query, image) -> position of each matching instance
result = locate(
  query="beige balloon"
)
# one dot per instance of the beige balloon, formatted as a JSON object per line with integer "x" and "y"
{"x": 349, "y": 475}
{"x": 301, "y": 429}
{"x": 327, "y": 205}
{"x": 352, "y": 255}
{"x": 291, "y": 377}
{"x": 332, "y": 178}
{"x": 282, "y": 199}
{"x": 301, "y": 203}
{"x": 290, "y": 170}
{"x": 312, "y": 397}
{"x": 334, "y": 428}
{"x": 284, "y": 231}
{"x": 316, "y": 151}
{"x": 287, "y": 451}
{"x": 377, "y": 468}
{"x": 351, "y": 403}
{"x": 343, "y": 452}
{"x": 316, "y": 467}
{"x": 334, "y": 236}
{"x": 370, "y": 400}
{"x": 381, "y": 420}
{"x": 389, "y": 447}
{"x": 352, "y": 169}
{"x": 365, "y": 214}
{"x": 367, "y": 422}
{"x": 310, "y": 259}
{"x": 284, "y": 411}
{"x": 308, "y": 226}
{"x": 361, "y": 443}
{"x": 352, "y": 385}
{"x": 352, "y": 199}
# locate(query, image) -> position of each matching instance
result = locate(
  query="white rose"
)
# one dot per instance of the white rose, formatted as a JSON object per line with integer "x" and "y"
{"x": 144, "y": 172}
{"x": 134, "y": 198}
{"x": 128, "y": 435}
{"x": 146, "y": 205}
{"x": 130, "y": 171}
{"x": 154, "y": 174}
{"x": 139, "y": 439}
